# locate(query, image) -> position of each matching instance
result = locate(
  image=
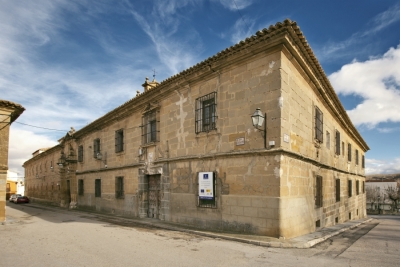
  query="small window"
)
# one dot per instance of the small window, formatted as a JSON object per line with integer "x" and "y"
{"x": 318, "y": 192}
{"x": 206, "y": 113}
{"x": 363, "y": 187}
{"x": 356, "y": 156}
{"x": 96, "y": 147}
{"x": 343, "y": 149}
{"x": 363, "y": 161}
{"x": 357, "y": 187}
{"x": 328, "y": 140}
{"x": 80, "y": 153}
{"x": 318, "y": 125}
{"x": 349, "y": 152}
{"x": 119, "y": 187}
{"x": 80, "y": 187}
{"x": 337, "y": 190}
{"x": 119, "y": 141}
{"x": 97, "y": 188}
{"x": 337, "y": 143}
{"x": 350, "y": 188}
{"x": 150, "y": 127}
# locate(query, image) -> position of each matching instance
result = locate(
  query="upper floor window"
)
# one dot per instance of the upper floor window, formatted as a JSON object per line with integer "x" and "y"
{"x": 328, "y": 140}
{"x": 319, "y": 134}
{"x": 150, "y": 127}
{"x": 337, "y": 143}
{"x": 363, "y": 161}
{"x": 349, "y": 152}
{"x": 206, "y": 113}
{"x": 356, "y": 156}
{"x": 80, "y": 153}
{"x": 119, "y": 140}
{"x": 96, "y": 147}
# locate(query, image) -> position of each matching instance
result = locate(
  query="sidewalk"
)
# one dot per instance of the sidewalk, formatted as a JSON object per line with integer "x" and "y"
{"x": 305, "y": 241}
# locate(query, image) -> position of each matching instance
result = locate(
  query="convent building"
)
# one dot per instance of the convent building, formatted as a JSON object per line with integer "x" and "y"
{"x": 252, "y": 140}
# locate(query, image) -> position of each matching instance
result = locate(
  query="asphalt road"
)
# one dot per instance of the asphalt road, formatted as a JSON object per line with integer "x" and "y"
{"x": 42, "y": 236}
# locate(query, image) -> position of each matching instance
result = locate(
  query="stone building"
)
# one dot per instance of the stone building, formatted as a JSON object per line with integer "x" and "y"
{"x": 186, "y": 151}
{"x": 9, "y": 112}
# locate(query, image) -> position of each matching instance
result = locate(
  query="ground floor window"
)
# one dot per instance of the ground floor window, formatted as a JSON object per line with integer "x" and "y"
{"x": 318, "y": 191}
{"x": 119, "y": 187}
{"x": 80, "y": 187}
{"x": 97, "y": 188}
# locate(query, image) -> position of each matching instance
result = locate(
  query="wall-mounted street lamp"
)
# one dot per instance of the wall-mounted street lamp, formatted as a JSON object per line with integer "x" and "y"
{"x": 259, "y": 119}
{"x": 99, "y": 156}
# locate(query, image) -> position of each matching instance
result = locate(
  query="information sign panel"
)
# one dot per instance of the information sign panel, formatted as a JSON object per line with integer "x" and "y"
{"x": 206, "y": 185}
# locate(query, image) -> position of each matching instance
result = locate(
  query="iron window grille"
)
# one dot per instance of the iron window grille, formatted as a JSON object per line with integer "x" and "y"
{"x": 80, "y": 153}
{"x": 80, "y": 187}
{"x": 356, "y": 156}
{"x": 97, "y": 188}
{"x": 318, "y": 192}
{"x": 319, "y": 134}
{"x": 96, "y": 147}
{"x": 349, "y": 152}
{"x": 350, "y": 188}
{"x": 337, "y": 190}
{"x": 337, "y": 142}
{"x": 206, "y": 117}
{"x": 119, "y": 141}
{"x": 119, "y": 187}
{"x": 150, "y": 127}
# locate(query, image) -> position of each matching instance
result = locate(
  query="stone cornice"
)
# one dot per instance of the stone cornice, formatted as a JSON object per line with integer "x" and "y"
{"x": 249, "y": 153}
{"x": 17, "y": 108}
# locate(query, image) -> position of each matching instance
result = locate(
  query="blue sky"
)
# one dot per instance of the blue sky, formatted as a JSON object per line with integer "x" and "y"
{"x": 69, "y": 62}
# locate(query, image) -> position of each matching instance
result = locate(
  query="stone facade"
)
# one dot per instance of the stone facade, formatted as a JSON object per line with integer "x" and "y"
{"x": 9, "y": 112}
{"x": 144, "y": 158}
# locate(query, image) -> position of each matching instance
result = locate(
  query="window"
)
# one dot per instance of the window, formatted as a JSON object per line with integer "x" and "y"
{"x": 96, "y": 147}
{"x": 337, "y": 190}
{"x": 356, "y": 156}
{"x": 328, "y": 140}
{"x": 318, "y": 125}
{"x": 363, "y": 161}
{"x": 80, "y": 153}
{"x": 206, "y": 113}
{"x": 80, "y": 187}
{"x": 357, "y": 187}
{"x": 149, "y": 127}
{"x": 349, "y": 152}
{"x": 363, "y": 187}
{"x": 119, "y": 187}
{"x": 350, "y": 188}
{"x": 97, "y": 188}
{"x": 318, "y": 192}
{"x": 343, "y": 149}
{"x": 119, "y": 141}
{"x": 337, "y": 143}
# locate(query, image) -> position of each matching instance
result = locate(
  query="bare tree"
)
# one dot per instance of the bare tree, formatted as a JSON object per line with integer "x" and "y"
{"x": 373, "y": 193}
{"x": 393, "y": 193}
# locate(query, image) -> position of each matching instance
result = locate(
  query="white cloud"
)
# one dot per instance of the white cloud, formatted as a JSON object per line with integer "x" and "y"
{"x": 389, "y": 130}
{"x": 175, "y": 52}
{"x": 242, "y": 29}
{"x": 374, "y": 166}
{"x": 235, "y": 4}
{"x": 378, "y": 23}
{"x": 22, "y": 145}
{"x": 377, "y": 81}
